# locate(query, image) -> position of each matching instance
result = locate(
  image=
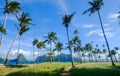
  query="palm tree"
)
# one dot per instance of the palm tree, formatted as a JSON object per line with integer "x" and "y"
{"x": 89, "y": 49}
{"x": 105, "y": 51}
{"x": 113, "y": 53}
{"x": 12, "y": 7}
{"x": 95, "y": 6}
{"x": 75, "y": 32}
{"x": 24, "y": 20}
{"x": 51, "y": 38}
{"x": 35, "y": 41}
{"x": 40, "y": 45}
{"x": 66, "y": 21}
{"x": 22, "y": 31}
{"x": 77, "y": 47}
{"x": 59, "y": 47}
{"x": 116, "y": 48}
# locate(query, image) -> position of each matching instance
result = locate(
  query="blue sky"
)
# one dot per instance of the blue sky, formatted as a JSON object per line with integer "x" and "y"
{"x": 46, "y": 15}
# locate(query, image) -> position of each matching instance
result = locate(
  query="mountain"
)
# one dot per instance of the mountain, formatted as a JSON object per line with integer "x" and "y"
{"x": 1, "y": 59}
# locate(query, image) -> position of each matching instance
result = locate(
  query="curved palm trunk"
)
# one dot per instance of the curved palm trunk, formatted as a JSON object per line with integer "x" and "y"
{"x": 6, "y": 60}
{"x": 105, "y": 38}
{"x": 17, "y": 61}
{"x": 70, "y": 48}
{"x": 4, "y": 25}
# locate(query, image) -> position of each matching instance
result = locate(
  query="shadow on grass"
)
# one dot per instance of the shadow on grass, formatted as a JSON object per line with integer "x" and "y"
{"x": 15, "y": 66}
{"x": 56, "y": 72}
{"x": 94, "y": 72}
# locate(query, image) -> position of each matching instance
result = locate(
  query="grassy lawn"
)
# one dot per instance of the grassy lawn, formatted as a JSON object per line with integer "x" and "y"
{"x": 96, "y": 69}
{"x": 55, "y": 69}
{"x": 43, "y": 69}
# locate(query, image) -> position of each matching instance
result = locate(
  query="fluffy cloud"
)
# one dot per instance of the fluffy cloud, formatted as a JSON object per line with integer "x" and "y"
{"x": 113, "y": 17}
{"x": 88, "y": 26}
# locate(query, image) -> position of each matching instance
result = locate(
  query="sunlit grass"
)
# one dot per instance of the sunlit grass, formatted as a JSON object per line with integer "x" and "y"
{"x": 43, "y": 69}
{"x": 96, "y": 69}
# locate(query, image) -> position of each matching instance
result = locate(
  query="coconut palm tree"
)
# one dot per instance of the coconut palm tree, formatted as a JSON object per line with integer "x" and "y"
{"x": 116, "y": 48}
{"x": 105, "y": 51}
{"x": 89, "y": 49}
{"x": 59, "y": 47}
{"x": 66, "y": 21}
{"x": 40, "y": 45}
{"x": 75, "y": 32}
{"x": 22, "y": 31}
{"x": 24, "y": 20}
{"x": 11, "y": 7}
{"x": 35, "y": 41}
{"x": 77, "y": 47}
{"x": 96, "y": 6}
{"x": 51, "y": 38}
{"x": 113, "y": 53}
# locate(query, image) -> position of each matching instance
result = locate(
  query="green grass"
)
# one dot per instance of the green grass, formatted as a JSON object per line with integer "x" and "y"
{"x": 43, "y": 69}
{"x": 96, "y": 69}
{"x": 55, "y": 69}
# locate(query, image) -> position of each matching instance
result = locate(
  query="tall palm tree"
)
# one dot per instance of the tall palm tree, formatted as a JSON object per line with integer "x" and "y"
{"x": 11, "y": 7}
{"x": 35, "y": 41}
{"x": 96, "y": 6}
{"x": 51, "y": 38}
{"x": 59, "y": 47}
{"x": 89, "y": 49}
{"x": 22, "y": 31}
{"x": 40, "y": 45}
{"x": 24, "y": 20}
{"x": 77, "y": 47}
{"x": 113, "y": 53}
{"x": 66, "y": 21}
{"x": 105, "y": 51}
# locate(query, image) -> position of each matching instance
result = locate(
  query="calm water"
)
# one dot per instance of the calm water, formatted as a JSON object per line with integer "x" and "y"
{"x": 13, "y": 63}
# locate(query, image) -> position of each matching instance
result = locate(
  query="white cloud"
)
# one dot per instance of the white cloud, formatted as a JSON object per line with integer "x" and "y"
{"x": 88, "y": 26}
{"x": 113, "y": 17}
{"x": 93, "y": 32}
{"x": 99, "y": 32}
{"x": 63, "y": 6}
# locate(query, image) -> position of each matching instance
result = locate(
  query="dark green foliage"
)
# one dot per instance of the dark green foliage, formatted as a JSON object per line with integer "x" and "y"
{"x": 95, "y": 72}
{"x": 2, "y": 29}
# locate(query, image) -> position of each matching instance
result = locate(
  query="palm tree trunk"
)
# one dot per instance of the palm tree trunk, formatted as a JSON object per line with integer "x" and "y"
{"x": 50, "y": 53}
{"x": 80, "y": 59}
{"x": 4, "y": 25}
{"x": 115, "y": 58}
{"x": 105, "y": 38}
{"x": 18, "y": 51}
{"x": 70, "y": 48}
{"x": 33, "y": 55}
{"x": 106, "y": 57}
{"x": 6, "y": 60}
